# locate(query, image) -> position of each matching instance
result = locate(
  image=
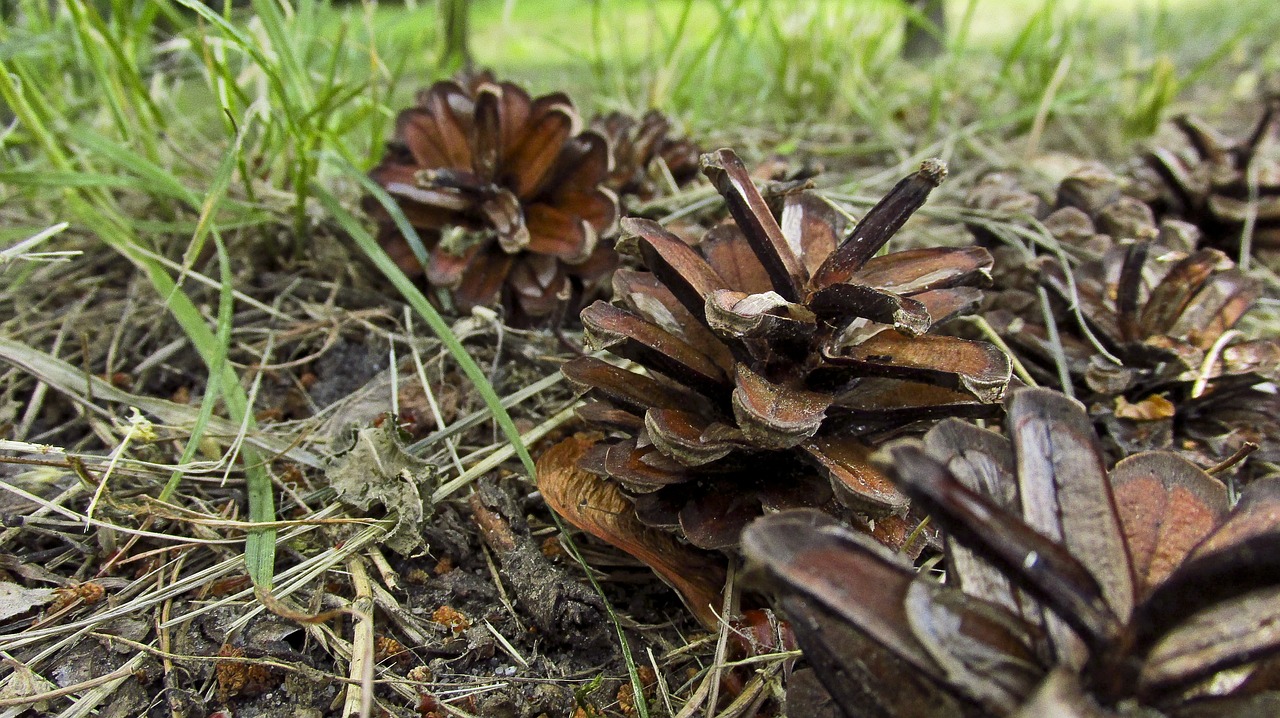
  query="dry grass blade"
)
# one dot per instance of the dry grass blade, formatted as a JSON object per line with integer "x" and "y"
{"x": 182, "y": 159}
{"x": 86, "y": 389}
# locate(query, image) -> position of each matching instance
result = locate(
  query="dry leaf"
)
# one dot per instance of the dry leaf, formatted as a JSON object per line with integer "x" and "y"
{"x": 598, "y": 507}
{"x": 16, "y": 600}
{"x": 23, "y": 683}
{"x": 1152, "y": 408}
{"x": 378, "y": 470}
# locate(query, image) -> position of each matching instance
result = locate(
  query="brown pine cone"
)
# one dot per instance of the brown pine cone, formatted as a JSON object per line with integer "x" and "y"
{"x": 1144, "y": 323}
{"x": 774, "y": 353}
{"x": 507, "y": 193}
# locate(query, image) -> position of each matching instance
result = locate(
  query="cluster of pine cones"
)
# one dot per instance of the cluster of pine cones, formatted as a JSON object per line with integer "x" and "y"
{"x": 790, "y": 389}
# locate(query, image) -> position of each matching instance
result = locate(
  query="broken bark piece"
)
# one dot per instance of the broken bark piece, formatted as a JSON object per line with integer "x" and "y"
{"x": 561, "y": 608}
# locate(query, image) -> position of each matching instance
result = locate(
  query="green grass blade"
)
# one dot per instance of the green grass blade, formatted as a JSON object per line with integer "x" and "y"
{"x": 418, "y": 301}
{"x": 156, "y": 178}
{"x": 226, "y": 304}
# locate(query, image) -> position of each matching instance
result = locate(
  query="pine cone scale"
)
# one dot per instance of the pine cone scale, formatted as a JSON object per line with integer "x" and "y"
{"x": 879, "y": 224}
{"x": 676, "y": 265}
{"x": 682, "y": 435}
{"x": 1216, "y": 308}
{"x": 773, "y": 416}
{"x": 1170, "y": 298}
{"x": 1040, "y": 512}
{"x": 483, "y": 278}
{"x": 846, "y": 302}
{"x": 748, "y": 209}
{"x": 1219, "y": 183}
{"x": 486, "y": 133}
{"x": 731, "y": 257}
{"x": 944, "y": 305}
{"x": 978, "y": 368}
{"x": 847, "y": 465}
{"x": 549, "y": 127}
{"x": 757, "y": 317}
{"x": 873, "y": 401}
{"x": 643, "y": 294}
{"x": 913, "y": 271}
{"x": 812, "y": 227}
{"x": 1164, "y": 512}
{"x": 435, "y": 132}
{"x": 1063, "y": 484}
{"x": 560, "y": 234}
{"x": 631, "y": 390}
{"x": 635, "y": 338}
{"x": 642, "y": 468}
{"x": 446, "y": 269}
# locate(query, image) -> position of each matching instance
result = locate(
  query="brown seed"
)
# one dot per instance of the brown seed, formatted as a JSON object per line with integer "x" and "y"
{"x": 451, "y": 618}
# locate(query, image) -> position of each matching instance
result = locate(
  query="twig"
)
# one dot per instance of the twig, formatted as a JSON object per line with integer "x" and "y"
{"x": 506, "y": 645}
{"x": 484, "y": 415}
{"x": 314, "y": 674}
{"x": 722, "y": 641}
{"x": 449, "y": 444}
{"x": 106, "y": 525}
{"x": 297, "y": 576}
{"x": 1240, "y": 454}
{"x": 697, "y": 699}
{"x": 45, "y": 508}
{"x": 360, "y": 695}
{"x": 1046, "y": 103}
{"x": 22, "y": 249}
{"x": 663, "y": 690}
{"x": 36, "y": 402}
{"x": 400, "y": 616}
{"x": 1250, "y": 216}
{"x": 557, "y": 605}
{"x": 163, "y": 635}
{"x": 66, "y": 379}
{"x": 1076, "y": 311}
{"x": 388, "y": 574}
{"x": 483, "y": 521}
{"x": 1055, "y": 344}
{"x": 138, "y": 427}
{"x": 752, "y": 695}
{"x": 120, "y": 673}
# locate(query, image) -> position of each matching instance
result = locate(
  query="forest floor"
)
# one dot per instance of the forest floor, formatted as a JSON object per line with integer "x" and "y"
{"x": 200, "y": 364}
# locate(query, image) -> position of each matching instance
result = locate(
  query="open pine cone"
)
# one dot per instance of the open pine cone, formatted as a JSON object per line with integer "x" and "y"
{"x": 1175, "y": 372}
{"x": 1071, "y": 591}
{"x": 507, "y": 193}
{"x": 644, "y": 150}
{"x": 1205, "y": 178}
{"x": 774, "y": 352}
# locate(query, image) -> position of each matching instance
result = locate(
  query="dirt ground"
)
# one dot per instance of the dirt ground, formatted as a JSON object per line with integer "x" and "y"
{"x": 478, "y": 606}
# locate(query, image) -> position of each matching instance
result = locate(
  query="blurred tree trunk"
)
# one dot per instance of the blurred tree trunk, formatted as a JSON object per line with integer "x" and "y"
{"x": 923, "y": 41}
{"x": 455, "y": 31}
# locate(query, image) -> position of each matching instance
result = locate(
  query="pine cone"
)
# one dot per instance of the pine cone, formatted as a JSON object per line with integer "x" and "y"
{"x": 506, "y": 192}
{"x": 642, "y": 148}
{"x": 1163, "y": 312}
{"x": 1071, "y": 590}
{"x": 775, "y": 351}
{"x": 1204, "y": 178}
